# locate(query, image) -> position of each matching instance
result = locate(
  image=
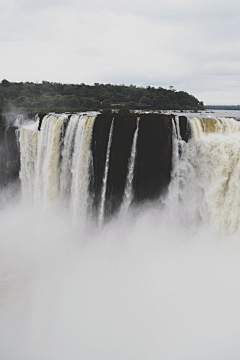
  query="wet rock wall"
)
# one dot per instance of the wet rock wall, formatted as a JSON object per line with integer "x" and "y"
{"x": 9, "y": 155}
{"x": 153, "y": 159}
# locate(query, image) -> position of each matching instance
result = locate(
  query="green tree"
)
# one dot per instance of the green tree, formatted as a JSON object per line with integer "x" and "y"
{"x": 5, "y": 83}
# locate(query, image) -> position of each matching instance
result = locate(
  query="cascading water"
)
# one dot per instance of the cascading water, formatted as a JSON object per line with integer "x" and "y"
{"x": 204, "y": 126}
{"x": 67, "y": 157}
{"x": 128, "y": 191}
{"x": 50, "y": 171}
{"x": 178, "y": 175}
{"x": 55, "y": 169}
{"x": 105, "y": 177}
{"x": 29, "y": 146}
{"x": 81, "y": 200}
{"x": 205, "y": 178}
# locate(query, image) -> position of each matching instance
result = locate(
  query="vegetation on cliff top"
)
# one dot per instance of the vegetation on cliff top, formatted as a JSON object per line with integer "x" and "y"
{"x": 47, "y": 96}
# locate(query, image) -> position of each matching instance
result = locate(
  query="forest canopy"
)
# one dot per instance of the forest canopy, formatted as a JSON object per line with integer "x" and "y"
{"x": 47, "y": 96}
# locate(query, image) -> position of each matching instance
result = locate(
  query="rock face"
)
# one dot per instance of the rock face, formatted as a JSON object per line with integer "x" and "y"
{"x": 9, "y": 155}
{"x": 153, "y": 158}
{"x": 185, "y": 129}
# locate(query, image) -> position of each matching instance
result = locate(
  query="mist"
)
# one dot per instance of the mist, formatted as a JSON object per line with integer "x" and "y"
{"x": 144, "y": 287}
{"x": 157, "y": 281}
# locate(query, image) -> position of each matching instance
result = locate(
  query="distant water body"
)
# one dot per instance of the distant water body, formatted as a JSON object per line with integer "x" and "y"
{"x": 205, "y": 113}
{"x": 212, "y": 113}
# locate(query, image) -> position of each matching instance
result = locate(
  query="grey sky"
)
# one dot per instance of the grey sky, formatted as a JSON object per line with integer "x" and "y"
{"x": 190, "y": 44}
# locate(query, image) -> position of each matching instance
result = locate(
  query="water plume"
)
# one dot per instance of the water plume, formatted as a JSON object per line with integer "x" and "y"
{"x": 128, "y": 191}
{"x": 105, "y": 177}
{"x": 140, "y": 289}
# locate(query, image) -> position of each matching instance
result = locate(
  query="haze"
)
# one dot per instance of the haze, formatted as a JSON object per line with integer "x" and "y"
{"x": 141, "y": 289}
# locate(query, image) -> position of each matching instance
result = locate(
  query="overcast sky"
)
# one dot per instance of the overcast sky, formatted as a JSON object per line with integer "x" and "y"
{"x": 193, "y": 45}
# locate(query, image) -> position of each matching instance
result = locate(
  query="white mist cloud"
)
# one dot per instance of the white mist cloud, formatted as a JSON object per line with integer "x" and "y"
{"x": 142, "y": 289}
{"x": 160, "y": 43}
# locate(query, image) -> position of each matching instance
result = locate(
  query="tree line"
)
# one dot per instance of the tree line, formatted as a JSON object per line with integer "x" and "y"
{"x": 50, "y": 96}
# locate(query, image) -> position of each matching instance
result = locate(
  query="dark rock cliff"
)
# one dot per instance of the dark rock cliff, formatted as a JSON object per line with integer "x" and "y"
{"x": 9, "y": 155}
{"x": 153, "y": 159}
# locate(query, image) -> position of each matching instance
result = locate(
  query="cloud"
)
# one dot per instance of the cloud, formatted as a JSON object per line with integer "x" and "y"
{"x": 189, "y": 44}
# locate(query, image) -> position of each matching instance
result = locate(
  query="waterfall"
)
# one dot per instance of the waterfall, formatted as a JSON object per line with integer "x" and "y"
{"x": 205, "y": 176}
{"x": 214, "y": 157}
{"x": 205, "y": 126}
{"x": 48, "y": 156}
{"x": 81, "y": 200}
{"x": 55, "y": 163}
{"x": 128, "y": 191}
{"x": 28, "y": 157}
{"x": 56, "y": 169}
{"x": 51, "y": 168}
{"x": 179, "y": 175}
{"x": 27, "y": 140}
{"x": 105, "y": 177}
{"x": 19, "y": 120}
{"x": 67, "y": 155}
{"x": 41, "y": 154}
